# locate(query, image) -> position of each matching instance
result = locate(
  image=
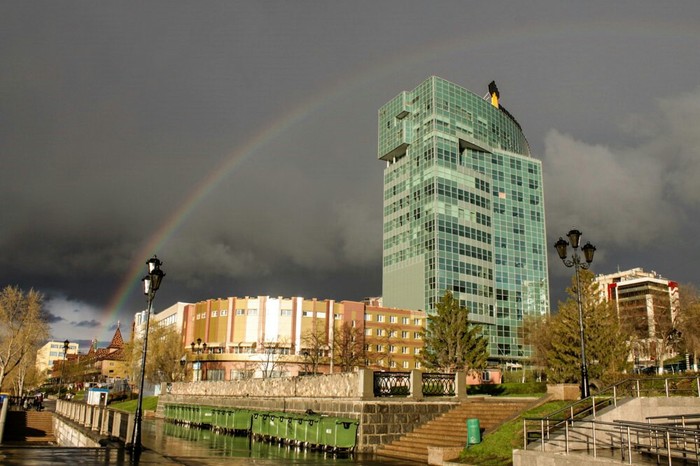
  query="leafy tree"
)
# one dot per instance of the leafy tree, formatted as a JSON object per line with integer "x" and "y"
{"x": 559, "y": 342}
{"x": 688, "y": 321}
{"x": 451, "y": 341}
{"x": 348, "y": 347}
{"x": 23, "y": 327}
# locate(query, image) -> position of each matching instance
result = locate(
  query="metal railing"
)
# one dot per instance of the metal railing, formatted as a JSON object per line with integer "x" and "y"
{"x": 562, "y": 428}
{"x": 392, "y": 384}
{"x": 437, "y": 384}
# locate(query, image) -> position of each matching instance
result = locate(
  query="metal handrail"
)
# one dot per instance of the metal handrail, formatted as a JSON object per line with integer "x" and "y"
{"x": 666, "y": 386}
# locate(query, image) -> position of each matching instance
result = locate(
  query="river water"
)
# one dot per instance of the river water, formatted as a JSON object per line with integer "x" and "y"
{"x": 207, "y": 447}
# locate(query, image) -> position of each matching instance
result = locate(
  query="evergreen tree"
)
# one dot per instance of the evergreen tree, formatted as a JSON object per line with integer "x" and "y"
{"x": 451, "y": 342}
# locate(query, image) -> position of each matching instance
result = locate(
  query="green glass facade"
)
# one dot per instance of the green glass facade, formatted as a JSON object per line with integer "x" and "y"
{"x": 463, "y": 211}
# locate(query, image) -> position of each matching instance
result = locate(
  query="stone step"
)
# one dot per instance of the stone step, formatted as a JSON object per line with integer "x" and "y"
{"x": 450, "y": 429}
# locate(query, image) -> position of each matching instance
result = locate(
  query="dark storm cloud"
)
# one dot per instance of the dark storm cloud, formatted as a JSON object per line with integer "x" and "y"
{"x": 52, "y": 318}
{"x": 114, "y": 115}
{"x": 86, "y": 323}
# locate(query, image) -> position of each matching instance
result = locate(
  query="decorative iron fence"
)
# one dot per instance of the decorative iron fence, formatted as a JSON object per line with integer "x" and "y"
{"x": 437, "y": 384}
{"x": 392, "y": 384}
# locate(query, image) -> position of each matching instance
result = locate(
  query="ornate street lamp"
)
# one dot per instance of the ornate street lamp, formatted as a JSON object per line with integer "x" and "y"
{"x": 151, "y": 283}
{"x": 63, "y": 367}
{"x": 575, "y": 262}
{"x": 199, "y": 348}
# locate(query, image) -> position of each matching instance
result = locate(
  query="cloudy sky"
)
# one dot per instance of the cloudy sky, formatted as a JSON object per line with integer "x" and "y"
{"x": 237, "y": 140}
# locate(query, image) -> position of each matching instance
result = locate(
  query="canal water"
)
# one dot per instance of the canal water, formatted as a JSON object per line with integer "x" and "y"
{"x": 200, "y": 446}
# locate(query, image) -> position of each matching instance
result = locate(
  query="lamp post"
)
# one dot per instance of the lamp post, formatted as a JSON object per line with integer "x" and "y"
{"x": 151, "y": 283}
{"x": 199, "y": 348}
{"x": 63, "y": 367}
{"x": 575, "y": 262}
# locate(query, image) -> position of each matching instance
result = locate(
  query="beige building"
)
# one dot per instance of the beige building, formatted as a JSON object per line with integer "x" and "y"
{"x": 267, "y": 336}
{"x": 53, "y": 351}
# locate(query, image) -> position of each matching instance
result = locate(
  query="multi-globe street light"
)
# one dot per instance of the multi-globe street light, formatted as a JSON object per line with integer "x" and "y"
{"x": 199, "y": 348}
{"x": 151, "y": 283}
{"x": 575, "y": 262}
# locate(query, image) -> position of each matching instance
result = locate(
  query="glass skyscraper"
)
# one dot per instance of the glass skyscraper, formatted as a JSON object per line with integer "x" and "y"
{"x": 463, "y": 210}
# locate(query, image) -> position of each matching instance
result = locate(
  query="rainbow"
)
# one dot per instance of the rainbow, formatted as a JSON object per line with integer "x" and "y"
{"x": 363, "y": 77}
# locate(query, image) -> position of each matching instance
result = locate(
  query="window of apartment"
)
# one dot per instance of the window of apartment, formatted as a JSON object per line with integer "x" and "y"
{"x": 486, "y": 376}
{"x": 380, "y": 332}
{"x": 337, "y": 316}
{"x": 404, "y": 350}
{"x": 214, "y": 313}
{"x": 354, "y": 324}
{"x": 404, "y": 334}
{"x": 392, "y": 349}
{"x": 416, "y": 322}
{"x": 378, "y": 347}
{"x": 416, "y": 350}
{"x": 393, "y": 319}
{"x": 392, "y": 364}
{"x": 405, "y": 364}
{"x": 393, "y": 333}
{"x": 418, "y": 365}
{"x": 368, "y": 317}
{"x": 252, "y": 312}
{"x": 240, "y": 312}
{"x": 320, "y": 315}
{"x": 368, "y": 347}
{"x": 380, "y": 318}
{"x": 223, "y": 313}
{"x": 307, "y": 314}
{"x": 368, "y": 332}
{"x": 285, "y": 312}
{"x": 404, "y": 320}
{"x": 416, "y": 335}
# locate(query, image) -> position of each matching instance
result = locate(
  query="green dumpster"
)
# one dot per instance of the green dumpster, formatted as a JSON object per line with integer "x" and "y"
{"x": 473, "y": 432}
{"x": 261, "y": 424}
{"x": 344, "y": 434}
{"x": 297, "y": 429}
{"x": 312, "y": 430}
{"x": 241, "y": 420}
{"x": 277, "y": 425}
{"x": 206, "y": 415}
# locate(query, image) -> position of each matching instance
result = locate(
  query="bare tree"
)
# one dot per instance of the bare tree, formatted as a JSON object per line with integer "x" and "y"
{"x": 23, "y": 326}
{"x": 314, "y": 345}
{"x": 348, "y": 347}
{"x": 272, "y": 357}
{"x": 165, "y": 351}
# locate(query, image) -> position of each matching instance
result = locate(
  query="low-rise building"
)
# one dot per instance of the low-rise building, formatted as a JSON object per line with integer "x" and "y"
{"x": 265, "y": 336}
{"x": 51, "y": 352}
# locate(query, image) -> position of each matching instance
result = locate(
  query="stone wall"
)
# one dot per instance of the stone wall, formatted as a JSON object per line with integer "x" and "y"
{"x": 347, "y": 385}
{"x": 380, "y": 422}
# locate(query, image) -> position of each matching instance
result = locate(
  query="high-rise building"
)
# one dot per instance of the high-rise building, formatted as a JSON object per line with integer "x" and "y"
{"x": 646, "y": 304}
{"x": 463, "y": 210}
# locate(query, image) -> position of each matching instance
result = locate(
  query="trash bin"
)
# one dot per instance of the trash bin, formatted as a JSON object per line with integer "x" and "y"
{"x": 473, "y": 432}
{"x": 345, "y": 434}
{"x": 312, "y": 430}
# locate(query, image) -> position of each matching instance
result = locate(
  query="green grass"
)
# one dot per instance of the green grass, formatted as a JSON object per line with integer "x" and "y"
{"x": 535, "y": 389}
{"x": 496, "y": 449}
{"x": 150, "y": 403}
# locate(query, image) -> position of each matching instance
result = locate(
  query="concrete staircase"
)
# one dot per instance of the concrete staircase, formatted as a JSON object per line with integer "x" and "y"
{"x": 32, "y": 427}
{"x": 450, "y": 429}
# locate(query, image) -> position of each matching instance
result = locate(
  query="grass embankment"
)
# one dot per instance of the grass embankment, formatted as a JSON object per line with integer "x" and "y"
{"x": 150, "y": 403}
{"x": 535, "y": 389}
{"x": 496, "y": 449}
